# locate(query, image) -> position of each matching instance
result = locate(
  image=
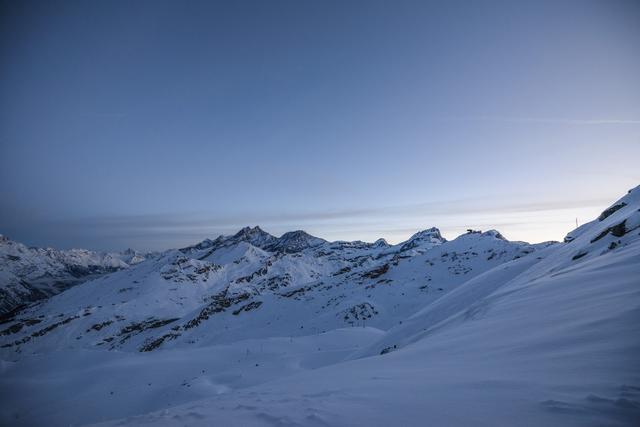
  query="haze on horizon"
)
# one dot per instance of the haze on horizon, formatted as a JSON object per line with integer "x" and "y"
{"x": 155, "y": 124}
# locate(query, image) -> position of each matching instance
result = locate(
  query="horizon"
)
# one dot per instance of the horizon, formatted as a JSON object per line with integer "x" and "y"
{"x": 157, "y": 124}
{"x": 450, "y": 235}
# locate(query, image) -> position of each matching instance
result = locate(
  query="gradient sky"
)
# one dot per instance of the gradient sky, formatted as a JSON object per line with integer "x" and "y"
{"x": 153, "y": 124}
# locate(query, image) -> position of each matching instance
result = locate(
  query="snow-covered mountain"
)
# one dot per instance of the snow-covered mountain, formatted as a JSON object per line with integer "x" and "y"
{"x": 29, "y": 274}
{"x": 300, "y": 331}
{"x": 251, "y": 284}
{"x": 425, "y": 239}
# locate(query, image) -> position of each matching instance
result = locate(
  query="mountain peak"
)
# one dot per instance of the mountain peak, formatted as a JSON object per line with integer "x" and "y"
{"x": 426, "y": 238}
{"x": 380, "y": 243}
{"x": 248, "y": 231}
{"x": 255, "y": 236}
{"x": 298, "y": 234}
{"x": 433, "y": 231}
{"x": 295, "y": 241}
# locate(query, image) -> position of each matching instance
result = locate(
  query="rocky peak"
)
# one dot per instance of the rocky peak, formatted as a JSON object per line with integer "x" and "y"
{"x": 255, "y": 236}
{"x": 425, "y": 238}
{"x": 295, "y": 241}
{"x": 380, "y": 243}
{"x": 248, "y": 230}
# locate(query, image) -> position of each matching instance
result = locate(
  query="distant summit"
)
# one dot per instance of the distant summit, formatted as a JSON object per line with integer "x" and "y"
{"x": 424, "y": 239}
{"x": 255, "y": 236}
{"x": 380, "y": 243}
{"x": 295, "y": 241}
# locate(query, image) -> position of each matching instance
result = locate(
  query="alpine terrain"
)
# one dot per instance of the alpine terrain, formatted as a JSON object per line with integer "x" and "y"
{"x": 30, "y": 274}
{"x": 252, "y": 329}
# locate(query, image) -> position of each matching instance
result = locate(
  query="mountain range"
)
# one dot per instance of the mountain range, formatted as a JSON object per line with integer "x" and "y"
{"x": 296, "y": 330}
{"x": 28, "y": 274}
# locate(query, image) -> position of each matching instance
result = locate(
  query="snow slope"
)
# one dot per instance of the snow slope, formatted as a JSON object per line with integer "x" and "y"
{"x": 251, "y": 330}
{"x": 545, "y": 340}
{"x": 92, "y": 385}
{"x": 29, "y": 274}
{"x": 559, "y": 352}
{"x": 229, "y": 289}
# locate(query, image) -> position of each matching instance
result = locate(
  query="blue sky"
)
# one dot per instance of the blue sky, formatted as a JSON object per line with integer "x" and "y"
{"x": 156, "y": 124}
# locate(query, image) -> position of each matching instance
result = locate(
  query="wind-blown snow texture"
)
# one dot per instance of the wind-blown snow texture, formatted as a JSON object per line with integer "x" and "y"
{"x": 251, "y": 329}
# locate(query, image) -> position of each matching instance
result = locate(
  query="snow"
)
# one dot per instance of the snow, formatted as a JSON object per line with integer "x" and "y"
{"x": 28, "y": 274}
{"x": 241, "y": 291}
{"x": 247, "y": 330}
{"x": 85, "y": 380}
{"x": 425, "y": 239}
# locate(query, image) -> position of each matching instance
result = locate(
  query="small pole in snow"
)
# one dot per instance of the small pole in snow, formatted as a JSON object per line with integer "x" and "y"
{"x": 576, "y": 222}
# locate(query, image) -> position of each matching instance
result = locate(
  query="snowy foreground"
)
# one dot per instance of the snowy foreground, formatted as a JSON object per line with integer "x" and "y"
{"x": 252, "y": 330}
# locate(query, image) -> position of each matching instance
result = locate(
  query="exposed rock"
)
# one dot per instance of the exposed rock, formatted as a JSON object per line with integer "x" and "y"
{"x": 376, "y": 272}
{"x": 611, "y": 210}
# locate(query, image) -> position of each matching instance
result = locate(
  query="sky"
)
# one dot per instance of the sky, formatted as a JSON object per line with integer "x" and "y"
{"x": 156, "y": 124}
